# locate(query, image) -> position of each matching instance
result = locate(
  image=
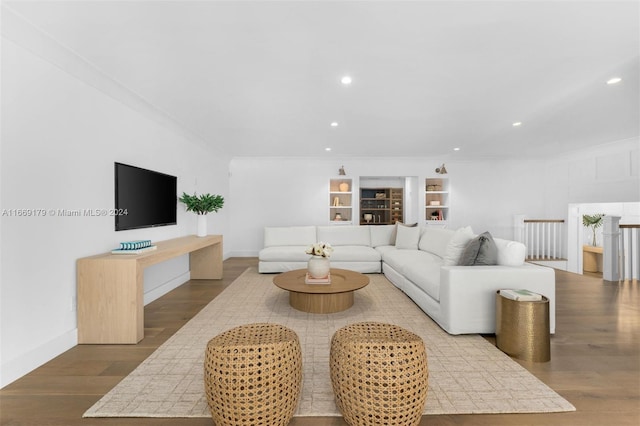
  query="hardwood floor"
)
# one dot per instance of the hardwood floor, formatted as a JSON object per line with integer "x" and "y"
{"x": 595, "y": 361}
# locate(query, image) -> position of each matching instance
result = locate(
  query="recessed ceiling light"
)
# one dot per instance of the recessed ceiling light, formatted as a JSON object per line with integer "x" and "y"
{"x": 346, "y": 80}
{"x": 614, "y": 80}
{"x": 456, "y": 149}
{"x": 327, "y": 149}
{"x": 517, "y": 124}
{"x": 334, "y": 124}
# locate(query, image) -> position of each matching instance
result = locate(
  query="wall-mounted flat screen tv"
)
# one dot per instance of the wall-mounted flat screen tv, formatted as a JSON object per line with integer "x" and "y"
{"x": 144, "y": 198}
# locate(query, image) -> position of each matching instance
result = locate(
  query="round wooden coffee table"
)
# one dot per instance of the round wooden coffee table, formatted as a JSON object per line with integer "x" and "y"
{"x": 321, "y": 298}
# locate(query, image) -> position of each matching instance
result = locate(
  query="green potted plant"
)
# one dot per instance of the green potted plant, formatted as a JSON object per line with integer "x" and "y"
{"x": 201, "y": 205}
{"x": 593, "y": 221}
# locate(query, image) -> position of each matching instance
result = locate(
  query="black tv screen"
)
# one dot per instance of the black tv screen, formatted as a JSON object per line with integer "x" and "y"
{"x": 144, "y": 198}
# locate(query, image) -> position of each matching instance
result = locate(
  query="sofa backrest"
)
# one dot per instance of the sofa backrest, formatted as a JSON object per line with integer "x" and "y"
{"x": 382, "y": 235}
{"x": 435, "y": 240}
{"x": 344, "y": 235}
{"x": 289, "y": 235}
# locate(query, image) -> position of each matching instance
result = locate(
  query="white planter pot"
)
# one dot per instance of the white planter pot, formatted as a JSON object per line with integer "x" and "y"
{"x": 202, "y": 225}
{"x": 318, "y": 267}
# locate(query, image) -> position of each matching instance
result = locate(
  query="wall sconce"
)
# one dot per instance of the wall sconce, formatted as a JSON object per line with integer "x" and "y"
{"x": 441, "y": 170}
{"x": 341, "y": 171}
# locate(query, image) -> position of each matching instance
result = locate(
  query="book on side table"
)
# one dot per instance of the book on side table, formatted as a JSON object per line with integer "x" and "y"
{"x": 521, "y": 295}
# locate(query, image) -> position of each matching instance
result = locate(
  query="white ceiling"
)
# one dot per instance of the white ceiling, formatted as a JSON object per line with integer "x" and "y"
{"x": 262, "y": 78}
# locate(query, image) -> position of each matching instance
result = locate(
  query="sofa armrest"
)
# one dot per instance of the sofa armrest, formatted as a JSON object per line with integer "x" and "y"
{"x": 467, "y": 293}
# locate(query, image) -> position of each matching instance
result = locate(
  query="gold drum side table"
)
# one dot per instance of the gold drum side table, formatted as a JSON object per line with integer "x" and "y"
{"x": 522, "y": 328}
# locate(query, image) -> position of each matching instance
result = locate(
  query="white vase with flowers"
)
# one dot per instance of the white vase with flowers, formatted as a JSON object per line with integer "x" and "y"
{"x": 318, "y": 265}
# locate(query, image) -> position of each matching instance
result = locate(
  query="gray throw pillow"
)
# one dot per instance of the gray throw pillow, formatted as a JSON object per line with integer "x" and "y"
{"x": 481, "y": 250}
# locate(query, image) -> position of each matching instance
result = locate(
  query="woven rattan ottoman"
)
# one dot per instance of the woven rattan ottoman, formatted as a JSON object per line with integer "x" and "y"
{"x": 379, "y": 374}
{"x": 253, "y": 375}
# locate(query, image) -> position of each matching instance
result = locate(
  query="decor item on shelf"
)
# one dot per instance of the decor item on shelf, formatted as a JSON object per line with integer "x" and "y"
{"x": 318, "y": 265}
{"x": 434, "y": 203}
{"x": 593, "y": 221}
{"x": 368, "y": 217}
{"x": 441, "y": 170}
{"x": 338, "y": 216}
{"x": 344, "y": 187}
{"x": 336, "y": 201}
{"x": 201, "y": 205}
{"x": 341, "y": 171}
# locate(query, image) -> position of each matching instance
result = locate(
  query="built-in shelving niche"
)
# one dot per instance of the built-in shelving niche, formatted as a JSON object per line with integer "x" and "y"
{"x": 385, "y": 200}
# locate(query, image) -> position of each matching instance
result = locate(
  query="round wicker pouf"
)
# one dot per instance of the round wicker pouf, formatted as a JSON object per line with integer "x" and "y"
{"x": 253, "y": 375}
{"x": 379, "y": 374}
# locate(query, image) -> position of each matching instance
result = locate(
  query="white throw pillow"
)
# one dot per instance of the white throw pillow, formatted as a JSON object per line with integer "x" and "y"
{"x": 435, "y": 240}
{"x": 382, "y": 235}
{"x": 456, "y": 245}
{"x": 407, "y": 237}
{"x": 510, "y": 253}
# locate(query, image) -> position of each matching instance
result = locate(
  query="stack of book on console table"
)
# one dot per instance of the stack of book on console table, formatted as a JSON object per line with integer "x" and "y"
{"x": 134, "y": 247}
{"x": 521, "y": 295}
{"x": 310, "y": 280}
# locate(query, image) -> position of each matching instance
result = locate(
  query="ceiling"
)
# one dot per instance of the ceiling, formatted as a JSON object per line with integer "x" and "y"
{"x": 262, "y": 78}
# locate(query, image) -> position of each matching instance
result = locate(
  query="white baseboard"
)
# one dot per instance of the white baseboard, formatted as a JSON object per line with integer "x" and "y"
{"x": 166, "y": 287}
{"x": 25, "y": 363}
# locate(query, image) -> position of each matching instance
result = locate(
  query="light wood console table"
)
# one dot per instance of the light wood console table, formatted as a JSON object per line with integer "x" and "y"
{"x": 111, "y": 287}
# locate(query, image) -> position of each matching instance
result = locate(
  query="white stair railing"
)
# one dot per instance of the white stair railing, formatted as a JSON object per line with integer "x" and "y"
{"x": 542, "y": 237}
{"x": 628, "y": 256}
{"x": 621, "y": 250}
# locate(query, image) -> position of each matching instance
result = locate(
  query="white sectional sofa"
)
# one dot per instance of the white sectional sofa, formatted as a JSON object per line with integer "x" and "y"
{"x": 284, "y": 248}
{"x": 423, "y": 263}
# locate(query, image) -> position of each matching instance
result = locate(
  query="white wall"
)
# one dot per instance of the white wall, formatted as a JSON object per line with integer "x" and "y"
{"x": 607, "y": 175}
{"x": 485, "y": 194}
{"x": 293, "y": 191}
{"x": 61, "y": 133}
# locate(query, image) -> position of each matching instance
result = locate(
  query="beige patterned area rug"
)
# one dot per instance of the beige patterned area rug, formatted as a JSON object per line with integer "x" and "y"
{"x": 467, "y": 374}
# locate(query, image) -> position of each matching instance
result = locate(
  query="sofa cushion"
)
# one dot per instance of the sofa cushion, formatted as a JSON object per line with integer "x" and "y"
{"x": 344, "y": 235}
{"x": 435, "y": 240}
{"x": 426, "y": 276}
{"x": 510, "y": 253}
{"x": 289, "y": 236}
{"x": 355, "y": 254}
{"x": 407, "y": 237}
{"x": 382, "y": 235}
{"x": 383, "y": 249}
{"x": 481, "y": 250}
{"x": 420, "y": 267}
{"x": 456, "y": 246}
{"x": 283, "y": 254}
{"x": 400, "y": 259}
